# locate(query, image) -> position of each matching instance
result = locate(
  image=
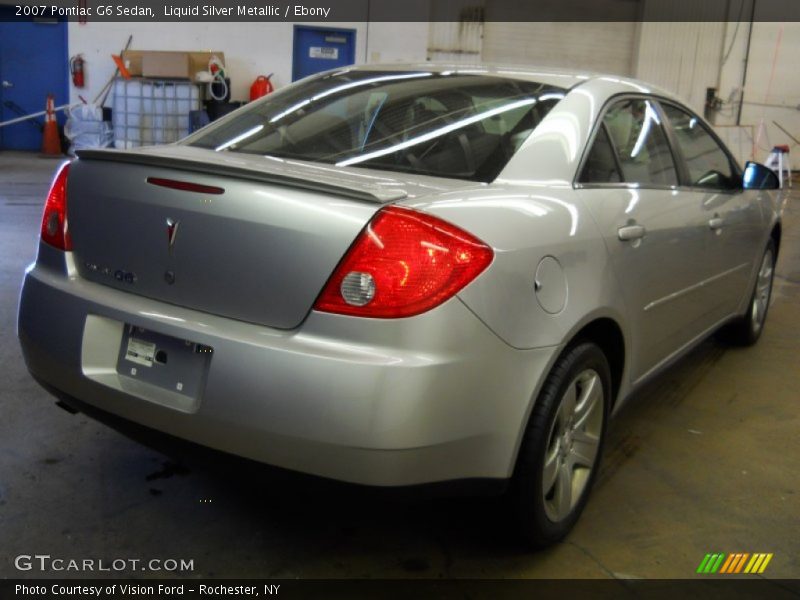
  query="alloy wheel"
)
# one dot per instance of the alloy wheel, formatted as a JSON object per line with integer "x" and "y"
{"x": 573, "y": 444}
{"x": 763, "y": 292}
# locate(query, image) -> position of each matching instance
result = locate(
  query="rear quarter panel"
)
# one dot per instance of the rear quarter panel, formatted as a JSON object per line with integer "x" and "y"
{"x": 524, "y": 227}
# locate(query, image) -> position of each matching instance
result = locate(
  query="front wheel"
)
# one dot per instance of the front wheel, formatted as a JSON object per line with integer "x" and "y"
{"x": 561, "y": 448}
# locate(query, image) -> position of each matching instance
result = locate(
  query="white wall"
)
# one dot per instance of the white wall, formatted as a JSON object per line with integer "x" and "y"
{"x": 606, "y": 47}
{"x": 683, "y": 58}
{"x": 397, "y": 42}
{"x": 772, "y": 88}
{"x": 251, "y": 49}
{"x": 686, "y": 58}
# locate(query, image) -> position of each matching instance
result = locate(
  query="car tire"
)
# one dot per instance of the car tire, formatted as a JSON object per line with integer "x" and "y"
{"x": 746, "y": 330}
{"x": 566, "y": 429}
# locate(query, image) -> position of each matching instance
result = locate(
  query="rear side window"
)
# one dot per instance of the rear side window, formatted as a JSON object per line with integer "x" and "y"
{"x": 708, "y": 164}
{"x": 638, "y": 136}
{"x": 601, "y": 165}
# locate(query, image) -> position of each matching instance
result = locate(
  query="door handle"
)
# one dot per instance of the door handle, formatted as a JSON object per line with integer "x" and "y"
{"x": 716, "y": 223}
{"x": 631, "y": 232}
{"x": 7, "y": 84}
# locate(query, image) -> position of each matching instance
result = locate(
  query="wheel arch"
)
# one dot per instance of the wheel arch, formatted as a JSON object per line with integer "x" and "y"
{"x": 603, "y": 328}
{"x": 606, "y": 333}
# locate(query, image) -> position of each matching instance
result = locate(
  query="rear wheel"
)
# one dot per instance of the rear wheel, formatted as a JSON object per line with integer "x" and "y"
{"x": 562, "y": 445}
{"x": 747, "y": 330}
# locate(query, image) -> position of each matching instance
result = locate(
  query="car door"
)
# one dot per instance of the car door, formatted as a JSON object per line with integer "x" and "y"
{"x": 733, "y": 216}
{"x": 655, "y": 232}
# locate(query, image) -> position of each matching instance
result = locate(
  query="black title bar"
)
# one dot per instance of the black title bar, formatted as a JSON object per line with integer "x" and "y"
{"x": 355, "y": 589}
{"x": 339, "y": 11}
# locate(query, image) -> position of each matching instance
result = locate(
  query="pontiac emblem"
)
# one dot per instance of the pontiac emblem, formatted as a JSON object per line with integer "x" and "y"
{"x": 172, "y": 231}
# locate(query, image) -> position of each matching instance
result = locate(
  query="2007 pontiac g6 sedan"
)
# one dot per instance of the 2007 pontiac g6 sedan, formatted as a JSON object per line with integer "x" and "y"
{"x": 403, "y": 275}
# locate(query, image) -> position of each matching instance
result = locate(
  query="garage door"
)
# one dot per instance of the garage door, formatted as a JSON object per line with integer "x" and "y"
{"x": 602, "y": 47}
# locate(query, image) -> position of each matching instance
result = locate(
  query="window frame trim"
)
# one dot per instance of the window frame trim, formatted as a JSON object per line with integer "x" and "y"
{"x": 677, "y": 159}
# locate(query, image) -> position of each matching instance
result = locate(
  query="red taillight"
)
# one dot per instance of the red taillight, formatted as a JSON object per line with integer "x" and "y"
{"x": 54, "y": 221}
{"x": 404, "y": 263}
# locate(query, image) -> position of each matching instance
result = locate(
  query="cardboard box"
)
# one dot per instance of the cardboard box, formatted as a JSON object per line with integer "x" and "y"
{"x": 159, "y": 64}
{"x": 165, "y": 65}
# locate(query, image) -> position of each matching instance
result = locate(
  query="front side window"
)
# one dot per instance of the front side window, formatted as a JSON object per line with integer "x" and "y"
{"x": 638, "y": 136}
{"x": 457, "y": 125}
{"x": 708, "y": 164}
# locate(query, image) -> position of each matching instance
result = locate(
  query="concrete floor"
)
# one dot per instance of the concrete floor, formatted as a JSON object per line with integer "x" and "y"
{"x": 706, "y": 459}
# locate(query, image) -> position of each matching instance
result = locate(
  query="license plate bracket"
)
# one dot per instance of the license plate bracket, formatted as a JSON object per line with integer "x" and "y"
{"x": 167, "y": 362}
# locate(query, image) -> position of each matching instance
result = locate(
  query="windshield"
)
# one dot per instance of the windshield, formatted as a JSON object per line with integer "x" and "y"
{"x": 445, "y": 124}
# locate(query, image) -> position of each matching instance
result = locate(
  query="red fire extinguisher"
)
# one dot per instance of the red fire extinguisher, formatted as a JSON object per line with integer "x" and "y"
{"x": 261, "y": 87}
{"x": 76, "y": 69}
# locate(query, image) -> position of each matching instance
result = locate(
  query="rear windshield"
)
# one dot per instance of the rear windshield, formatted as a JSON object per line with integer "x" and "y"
{"x": 456, "y": 125}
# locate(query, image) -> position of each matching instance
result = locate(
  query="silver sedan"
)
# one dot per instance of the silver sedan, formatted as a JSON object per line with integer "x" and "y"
{"x": 403, "y": 275}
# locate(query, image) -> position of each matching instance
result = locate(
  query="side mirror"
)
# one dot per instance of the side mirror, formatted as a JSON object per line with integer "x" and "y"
{"x": 758, "y": 177}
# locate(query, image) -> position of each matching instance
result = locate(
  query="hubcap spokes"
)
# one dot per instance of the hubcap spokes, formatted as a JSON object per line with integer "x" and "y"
{"x": 763, "y": 290}
{"x": 572, "y": 445}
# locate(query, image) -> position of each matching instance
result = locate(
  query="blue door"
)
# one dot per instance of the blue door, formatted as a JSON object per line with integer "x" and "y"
{"x": 33, "y": 63}
{"x": 319, "y": 49}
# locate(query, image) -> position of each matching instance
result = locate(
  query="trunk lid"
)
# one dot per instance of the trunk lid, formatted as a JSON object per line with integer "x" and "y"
{"x": 260, "y": 251}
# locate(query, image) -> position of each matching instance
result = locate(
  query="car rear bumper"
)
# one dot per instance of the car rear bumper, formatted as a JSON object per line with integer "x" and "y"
{"x": 431, "y": 398}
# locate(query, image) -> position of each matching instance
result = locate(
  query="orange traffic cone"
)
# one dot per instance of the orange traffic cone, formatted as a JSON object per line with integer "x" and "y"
{"x": 51, "y": 143}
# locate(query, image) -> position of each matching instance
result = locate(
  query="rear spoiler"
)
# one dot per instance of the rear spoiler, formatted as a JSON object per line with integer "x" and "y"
{"x": 380, "y": 196}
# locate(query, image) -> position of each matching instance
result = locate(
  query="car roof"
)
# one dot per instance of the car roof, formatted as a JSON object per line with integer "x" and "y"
{"x": 562, "y": 78}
